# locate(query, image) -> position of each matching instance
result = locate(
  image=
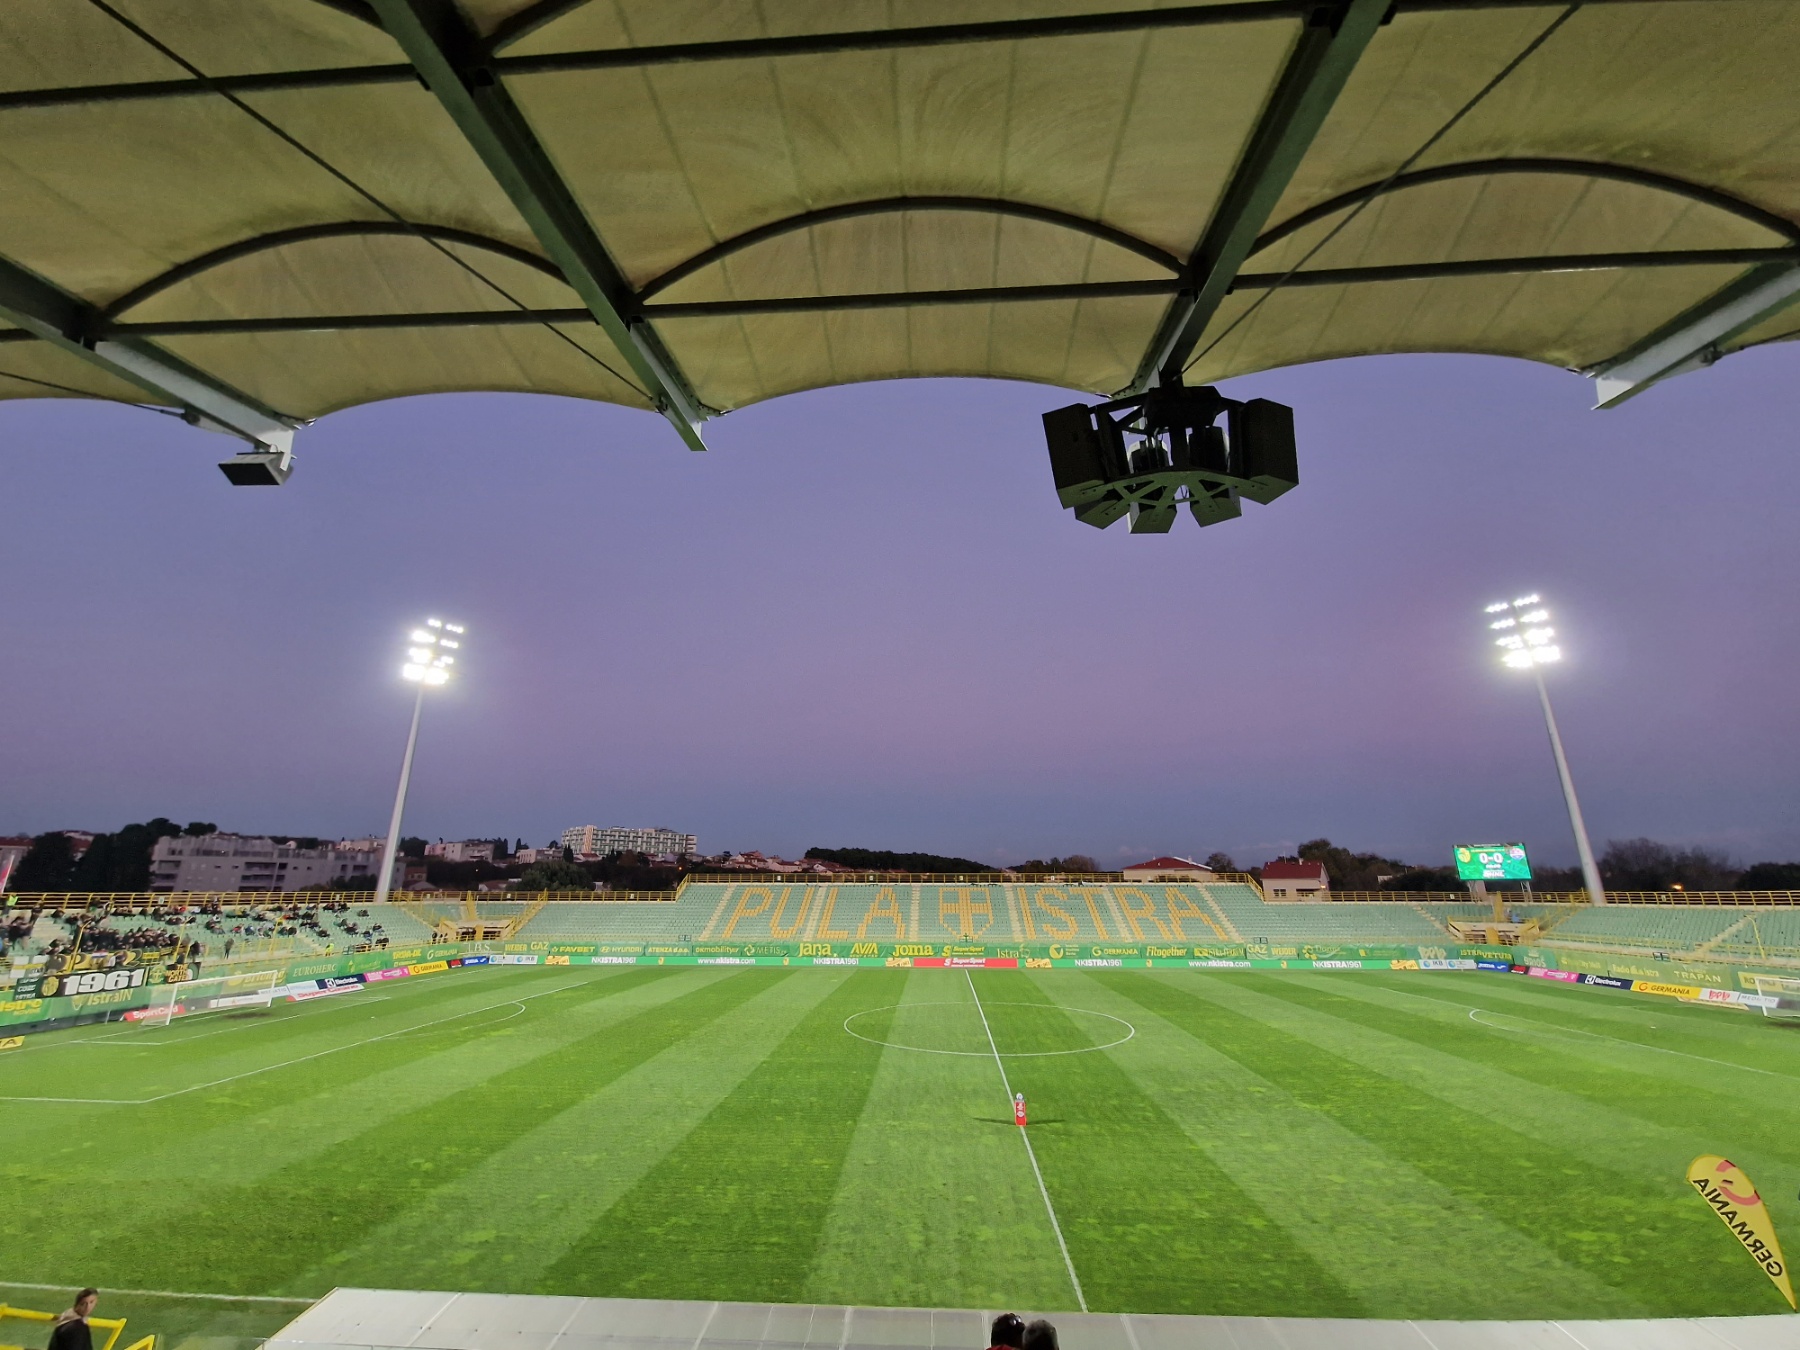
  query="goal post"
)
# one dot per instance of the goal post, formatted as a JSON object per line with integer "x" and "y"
{"x": 1786, "y": 995}
{"x": 212, "y": 993}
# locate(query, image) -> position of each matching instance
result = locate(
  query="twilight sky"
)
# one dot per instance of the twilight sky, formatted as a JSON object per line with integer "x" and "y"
{"x": 861, "y": 619}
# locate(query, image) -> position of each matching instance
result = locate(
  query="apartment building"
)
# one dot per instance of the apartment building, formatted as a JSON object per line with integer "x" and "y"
{"x": 599, "y": 841}
{"x": 234, "y": 862}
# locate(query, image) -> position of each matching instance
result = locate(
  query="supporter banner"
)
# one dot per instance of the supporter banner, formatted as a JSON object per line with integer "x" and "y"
{"x": 81, "y": 982}
{"x": 1723, "y": 1185}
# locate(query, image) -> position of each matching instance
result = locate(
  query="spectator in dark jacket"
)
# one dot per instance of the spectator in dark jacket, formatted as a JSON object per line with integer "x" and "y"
{"x": 1007, "y": 1333}
{"x": 70, "y": 1331}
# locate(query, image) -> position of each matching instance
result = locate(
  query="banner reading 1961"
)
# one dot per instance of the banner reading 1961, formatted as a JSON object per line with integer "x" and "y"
{"x": 1723, "y": 1185}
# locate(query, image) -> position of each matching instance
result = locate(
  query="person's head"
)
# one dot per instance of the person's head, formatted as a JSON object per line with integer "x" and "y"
{"x": 1040, "y": 1335}
{"x": 85, "y": 1301}
{"x": 1009, "y": 1330}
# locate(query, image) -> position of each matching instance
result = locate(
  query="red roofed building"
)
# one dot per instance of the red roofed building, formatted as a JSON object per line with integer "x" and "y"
{"x": 1295, "y": 881}
{"x": 1169, "y": 869}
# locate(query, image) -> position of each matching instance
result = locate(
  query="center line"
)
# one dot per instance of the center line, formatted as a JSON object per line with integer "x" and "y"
{"x": 1037, "y": 1172}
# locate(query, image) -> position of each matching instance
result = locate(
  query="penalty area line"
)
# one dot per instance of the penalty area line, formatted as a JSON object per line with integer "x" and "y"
{"x": 287, "y": 1063}
{"x": 169, "y": 1293}
{"x": 1030, "y": 1152}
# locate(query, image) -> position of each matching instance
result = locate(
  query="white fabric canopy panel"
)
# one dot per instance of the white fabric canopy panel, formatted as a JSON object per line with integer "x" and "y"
{"x": 260, "y": 211}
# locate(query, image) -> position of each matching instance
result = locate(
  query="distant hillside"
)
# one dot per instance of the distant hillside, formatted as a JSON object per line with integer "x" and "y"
{"x": 881, "y": 860}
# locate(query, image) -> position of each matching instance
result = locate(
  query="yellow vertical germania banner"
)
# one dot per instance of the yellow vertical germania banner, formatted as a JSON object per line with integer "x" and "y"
{"x": 1723, "y": 1185}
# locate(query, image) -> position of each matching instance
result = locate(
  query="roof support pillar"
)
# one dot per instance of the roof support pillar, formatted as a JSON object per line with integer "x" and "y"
{"x": 456, "y": 66}
{"x": 1691, "y": 339}
{"x": 1328, "y": 49}
{"x": 67, "y": 321}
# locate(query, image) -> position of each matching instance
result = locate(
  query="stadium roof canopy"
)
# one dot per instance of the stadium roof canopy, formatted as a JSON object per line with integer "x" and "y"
{"x": 259, "y": 211}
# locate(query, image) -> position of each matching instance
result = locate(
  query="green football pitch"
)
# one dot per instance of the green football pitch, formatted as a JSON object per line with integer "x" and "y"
{"x": 1319, "y": 1144}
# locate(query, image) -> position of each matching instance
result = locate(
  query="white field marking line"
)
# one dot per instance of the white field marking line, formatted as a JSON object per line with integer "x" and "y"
{"x": 286, "y": 1063}
{"x": 1616, "y": 1040}
{"x": 1130, "y": 1031}
{"x": 168, "y": 1293}
{"x": 1031, "y": 1153}
{"x": 1540, "y": 1029}
{"x": 498, "y": 1020}
{"x": 105, "y": 1040}
{"x": 161, "y": 1042}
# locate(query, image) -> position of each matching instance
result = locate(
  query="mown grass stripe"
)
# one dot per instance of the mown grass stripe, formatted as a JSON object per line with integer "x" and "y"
{"x": 736, "y": 1210}
{"x": 203, "y": 1141}
{"x": 147, "y": 1062}
{"x": 508, "y": 1219}
{"x": 305, "y": 1126}
{"x": 1322, "y": 1183}
{"x": 294, "y": 1219}
{"x": 1624, "y": 1079}
{"x": 935, "y": 1205}
{"x": 1644, "y": 1239}
{"x": 1720, "y": 1044}
{"x": 1153, "y": 1223}
{"x": 1586, "y": 1130}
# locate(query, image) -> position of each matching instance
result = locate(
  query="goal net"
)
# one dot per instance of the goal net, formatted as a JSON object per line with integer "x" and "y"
{"x": 1786, "y": 995}
{"x": 215, "y": 993}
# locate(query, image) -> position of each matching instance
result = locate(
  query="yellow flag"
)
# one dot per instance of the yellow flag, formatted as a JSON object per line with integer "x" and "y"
{"x": 1723, "y": 1185}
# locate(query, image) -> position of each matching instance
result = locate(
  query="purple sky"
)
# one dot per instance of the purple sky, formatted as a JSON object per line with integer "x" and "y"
{"x": 862, "y": 620}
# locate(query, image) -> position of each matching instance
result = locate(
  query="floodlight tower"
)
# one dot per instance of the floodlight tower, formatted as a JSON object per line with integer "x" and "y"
{"x": 1528, "y": 643}
{"x": 428, "y": 662}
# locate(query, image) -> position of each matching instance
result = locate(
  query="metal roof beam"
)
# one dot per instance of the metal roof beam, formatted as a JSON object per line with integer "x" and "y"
{"x": 1327, "y": 51}
{"x": 1778, "y": 259}
{"x": 45, "y": 310}
{"x": 449, "y": 55}
{"x": 1692, "y": 339}
{"x": 747, "y": 49}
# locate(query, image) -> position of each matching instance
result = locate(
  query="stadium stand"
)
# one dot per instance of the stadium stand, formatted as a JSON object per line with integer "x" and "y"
{"x": 1671, "y": 927}
{"x": 765, "y": 910}
{"x": 1371, "y": 922}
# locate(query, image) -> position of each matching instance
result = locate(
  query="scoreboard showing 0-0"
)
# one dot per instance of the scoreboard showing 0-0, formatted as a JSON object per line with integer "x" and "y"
{"x": 1492, "y": 862}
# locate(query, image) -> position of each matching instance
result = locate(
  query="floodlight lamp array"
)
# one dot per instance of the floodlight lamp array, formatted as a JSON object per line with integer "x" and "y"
{"x": 428, "y": 658}
{"x": 1526, "y": 638}
{"x": 1162, "y": 450}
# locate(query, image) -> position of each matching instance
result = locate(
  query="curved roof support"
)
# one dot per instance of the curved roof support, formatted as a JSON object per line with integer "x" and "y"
{"x": 301, "y": 234}
{"x": 889, "y": 205}
{"x": 355, "y": 9}
{"x": 1539, "y": 265}
{"x": 523, "y": 22}
{"x": 1323, "y": 57}
{"x": 1577, "y": 168}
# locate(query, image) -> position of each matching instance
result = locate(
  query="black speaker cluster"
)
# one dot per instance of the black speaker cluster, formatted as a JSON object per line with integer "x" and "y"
{"x": 1153, "y": 454}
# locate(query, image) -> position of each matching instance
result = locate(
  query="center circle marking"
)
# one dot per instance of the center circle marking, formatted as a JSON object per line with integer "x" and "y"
{"x": 1130, "y": 1030}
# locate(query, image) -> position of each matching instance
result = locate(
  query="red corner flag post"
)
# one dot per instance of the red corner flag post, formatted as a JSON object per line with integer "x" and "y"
{"x": 1019, "y": 1109}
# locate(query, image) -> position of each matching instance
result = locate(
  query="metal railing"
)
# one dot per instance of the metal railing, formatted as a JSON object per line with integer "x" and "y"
{"x": 1789, "y": 899}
